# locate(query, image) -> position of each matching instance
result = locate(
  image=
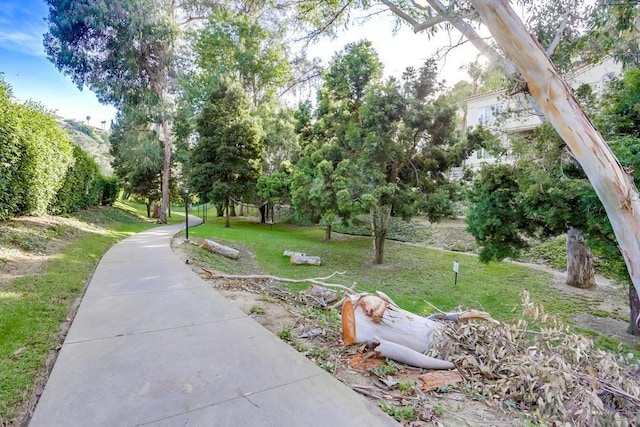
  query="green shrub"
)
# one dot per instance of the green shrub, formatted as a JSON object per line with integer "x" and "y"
{"x": 35, "y": 154}
{"x": 110, "y": 190}
{"x": 82, "y": 187}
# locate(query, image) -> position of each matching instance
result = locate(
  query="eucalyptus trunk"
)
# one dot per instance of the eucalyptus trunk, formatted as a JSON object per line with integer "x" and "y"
{"x": 613, "y": 185}
{"x": 166, "y": 172}
{"x": 634, "y": 303}
{"x": 580, "y": 271}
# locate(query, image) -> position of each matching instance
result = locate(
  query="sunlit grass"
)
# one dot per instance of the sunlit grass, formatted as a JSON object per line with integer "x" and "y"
{"x": 417, "y": 278}
{"x": 32, "y": 308}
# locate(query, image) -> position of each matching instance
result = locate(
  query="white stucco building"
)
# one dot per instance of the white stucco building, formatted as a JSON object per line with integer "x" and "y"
{"x": 485, "y": 110}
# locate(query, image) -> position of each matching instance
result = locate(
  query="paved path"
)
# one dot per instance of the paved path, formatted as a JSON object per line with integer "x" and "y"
{"x": 153, "y": 344}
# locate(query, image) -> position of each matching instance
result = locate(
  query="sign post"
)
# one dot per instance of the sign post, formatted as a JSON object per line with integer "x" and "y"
{"x": 456, "y": 268}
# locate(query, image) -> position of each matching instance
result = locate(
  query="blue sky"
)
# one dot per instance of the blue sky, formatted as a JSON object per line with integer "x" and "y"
{"x": 32, "y": 76}
{"x": 29, "y": 72}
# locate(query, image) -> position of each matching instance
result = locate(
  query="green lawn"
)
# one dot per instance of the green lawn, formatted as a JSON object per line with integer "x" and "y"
{"x": 411, "y": 275}
{"x": 32, "y": 308}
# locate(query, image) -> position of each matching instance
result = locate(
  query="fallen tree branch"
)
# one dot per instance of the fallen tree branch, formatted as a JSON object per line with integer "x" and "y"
{"x": 320, "y": 281}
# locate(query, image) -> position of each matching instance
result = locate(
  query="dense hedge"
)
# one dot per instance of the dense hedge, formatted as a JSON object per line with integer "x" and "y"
{"x": 41, "y": 170}
{"x": 82, "y": 185}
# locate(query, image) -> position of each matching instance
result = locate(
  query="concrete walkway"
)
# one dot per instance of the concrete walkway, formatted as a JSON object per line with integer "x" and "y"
{"x": 153, "y": 344}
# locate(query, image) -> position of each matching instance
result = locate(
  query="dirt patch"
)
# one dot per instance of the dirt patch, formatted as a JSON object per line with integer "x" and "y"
{"x": 27, "y": 243}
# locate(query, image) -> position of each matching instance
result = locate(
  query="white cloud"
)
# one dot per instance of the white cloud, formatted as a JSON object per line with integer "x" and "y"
{"x": 22, "y": 27}
{"x": 23, "y": 42}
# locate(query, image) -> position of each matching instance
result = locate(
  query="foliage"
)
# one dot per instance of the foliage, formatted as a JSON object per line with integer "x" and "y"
{"x": 496, "y": 216}
{"x": 137, "y": 155}
{"x": 88, "y": 41}
{"x": 123, "y": 51}
{"x": 225, "y": 163}
{"x": 110, "y": 190}
{"x": 620, "y": 113}
{"x": 557, "y": 374}
{"x": 83, "y": 185}
{"x": 237, "y": 47}
{"x": 274, "y": 188}
{"x": 34, "y": 157}
{"x": 377, "y": 147}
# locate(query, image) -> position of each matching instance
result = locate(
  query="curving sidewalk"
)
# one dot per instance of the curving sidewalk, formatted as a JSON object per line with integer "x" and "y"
{"x": 153, "y": 344}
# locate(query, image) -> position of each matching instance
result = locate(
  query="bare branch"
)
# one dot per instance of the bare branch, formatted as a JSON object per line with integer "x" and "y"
{"x": 320, "y": 281}
{"x": 556, "y": 40}
{"x": 417, "y": 26}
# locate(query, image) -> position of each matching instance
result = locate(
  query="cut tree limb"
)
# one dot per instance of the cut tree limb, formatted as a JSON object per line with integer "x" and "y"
{"x": 305, "y": 259}
{"x": 302, "y": 258}
{"x": 320, "y": 281}
{"x": 217, "y": 248}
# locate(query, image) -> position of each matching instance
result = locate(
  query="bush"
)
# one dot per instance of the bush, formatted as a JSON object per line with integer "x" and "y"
{"x": 110, "y": 190}
{"x": 41, "y": 171}
{"x": 34, "y": 156}
{"x": 82, "y": 186}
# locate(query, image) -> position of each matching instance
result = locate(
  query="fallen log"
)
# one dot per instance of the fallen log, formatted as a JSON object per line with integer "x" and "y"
{"x": 396, "y": 333}
{"x": 302, "y": 258}
{"x": 217, "y": 248}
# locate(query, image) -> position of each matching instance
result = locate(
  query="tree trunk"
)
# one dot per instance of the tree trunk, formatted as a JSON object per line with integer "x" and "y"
{"x": 149, "y": 201}
{"x": 400, "y": 335}
{"x": 241, "y": 207}
{"x": 634, "y": 303}
{"x": 580, "y": 271}
{"x": 227, "y": 223}
{"x": 327, "y": 232}
{"x": 380, "y": 217}
{"x": 263, "y": 213}
{"x": 612, "y": 184}
{"x": 232, "y": 208}
{"x": 220, "y": 209}
{"x": 166, "y": 172}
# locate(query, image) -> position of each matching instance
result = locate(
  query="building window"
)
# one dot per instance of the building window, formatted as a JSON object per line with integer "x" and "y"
{"x": 483, "y": 154}
{"x": 488, "y": 115}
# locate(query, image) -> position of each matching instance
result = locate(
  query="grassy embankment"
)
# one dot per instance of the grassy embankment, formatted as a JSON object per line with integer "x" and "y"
{"x": 33, "y": 307}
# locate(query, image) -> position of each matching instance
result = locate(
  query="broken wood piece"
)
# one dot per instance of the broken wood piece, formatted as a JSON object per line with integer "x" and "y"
{"x": 402, "y": 335}
{"x": 292, "y": 253}
{"x": 436, "y": 379}
{"x": 217, "y": 248}
{"x": 300, "y": 259}
{"x": 409, "y": 356}
{"x": 366, "y": 316}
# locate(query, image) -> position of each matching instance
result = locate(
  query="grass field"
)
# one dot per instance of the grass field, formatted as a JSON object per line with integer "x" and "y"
{"x": 415, "y": 277}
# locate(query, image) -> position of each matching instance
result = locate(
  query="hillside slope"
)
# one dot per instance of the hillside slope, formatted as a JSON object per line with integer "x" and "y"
{"x": 92, "y": 140}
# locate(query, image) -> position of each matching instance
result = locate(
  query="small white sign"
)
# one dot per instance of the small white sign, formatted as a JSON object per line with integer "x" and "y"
{"x": 456, "y": 266}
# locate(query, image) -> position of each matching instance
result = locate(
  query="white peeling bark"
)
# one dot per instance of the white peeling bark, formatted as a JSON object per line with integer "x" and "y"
{"x": 612, "y": 184}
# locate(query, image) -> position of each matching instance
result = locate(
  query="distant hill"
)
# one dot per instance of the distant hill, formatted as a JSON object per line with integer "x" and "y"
{"x": 92, "y": 140}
